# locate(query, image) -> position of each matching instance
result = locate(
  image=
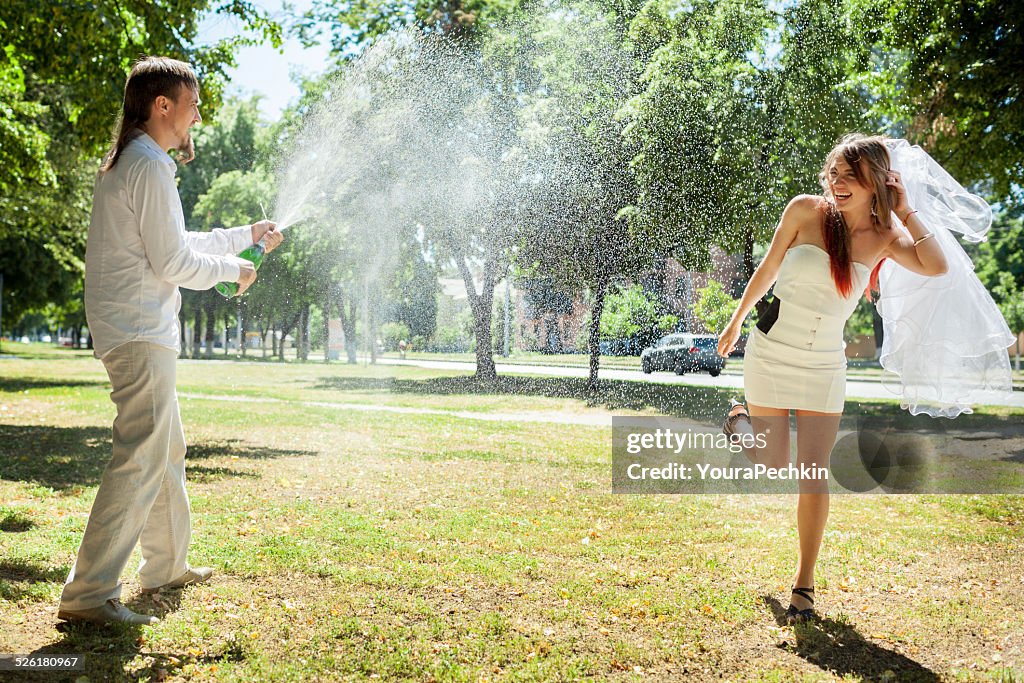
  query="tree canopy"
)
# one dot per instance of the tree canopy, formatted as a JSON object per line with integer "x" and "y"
{"x": 573, "y": 142}
{"x": 62, "y": 73}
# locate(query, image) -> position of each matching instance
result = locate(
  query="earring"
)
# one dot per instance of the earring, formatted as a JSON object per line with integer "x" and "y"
{"x": 874, "y": 203}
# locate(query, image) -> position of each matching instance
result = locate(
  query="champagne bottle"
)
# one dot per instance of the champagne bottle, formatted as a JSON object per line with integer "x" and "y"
{"x": 253, "y": 254}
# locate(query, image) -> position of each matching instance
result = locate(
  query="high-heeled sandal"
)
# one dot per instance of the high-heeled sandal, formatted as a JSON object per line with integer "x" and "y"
{"x": 729, "y": 428}
{"x": 799, "y": 616}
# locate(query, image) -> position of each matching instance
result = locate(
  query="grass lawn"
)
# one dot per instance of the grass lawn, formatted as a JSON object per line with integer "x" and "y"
{"x": 401, "y": 523}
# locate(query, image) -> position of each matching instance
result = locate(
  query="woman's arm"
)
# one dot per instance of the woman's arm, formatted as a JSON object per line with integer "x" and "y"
{"x": 920, "y": 252}
{"x": 802, "y": 211}
{"x": 926, "y": 258}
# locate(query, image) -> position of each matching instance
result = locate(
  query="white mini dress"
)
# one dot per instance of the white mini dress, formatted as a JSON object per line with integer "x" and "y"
{"x": 800, "y": 362}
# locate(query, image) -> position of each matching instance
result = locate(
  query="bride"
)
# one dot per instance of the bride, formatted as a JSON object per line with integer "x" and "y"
{"x": 828, "y": 250}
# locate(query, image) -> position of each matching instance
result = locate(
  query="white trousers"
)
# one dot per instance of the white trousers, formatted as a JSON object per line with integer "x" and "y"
{"x": 141, "y": 498}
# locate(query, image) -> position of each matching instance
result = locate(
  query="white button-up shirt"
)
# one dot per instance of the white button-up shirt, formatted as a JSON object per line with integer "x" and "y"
{"x": 139, "y": 253}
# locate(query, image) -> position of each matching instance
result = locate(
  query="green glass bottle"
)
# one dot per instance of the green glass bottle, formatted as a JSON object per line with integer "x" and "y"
{"x": 255, "y": 255}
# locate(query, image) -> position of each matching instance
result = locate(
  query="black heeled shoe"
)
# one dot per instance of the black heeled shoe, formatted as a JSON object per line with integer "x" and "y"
{"x": 729, "y": 428}
{"x": 800, "y": 616}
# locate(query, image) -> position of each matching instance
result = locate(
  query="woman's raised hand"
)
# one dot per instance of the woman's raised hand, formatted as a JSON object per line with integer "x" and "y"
{"x": 728, "y": 339}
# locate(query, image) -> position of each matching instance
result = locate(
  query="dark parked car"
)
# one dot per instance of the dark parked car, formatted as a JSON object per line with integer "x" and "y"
{"x": 683, "y": 352}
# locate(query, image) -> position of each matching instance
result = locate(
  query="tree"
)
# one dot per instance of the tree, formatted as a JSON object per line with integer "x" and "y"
{"x": 999, "y": 263}
{"x": 413, "y": 291}
{"x": 631, "y": 315}
{"x": 62, "y": 71}
{"x": 947, "y": 73}
{"x": 235, "y": 139}
{"x": 714, "y": 307}
{"x": 43, "y": 229}
{"x": 577, "y": 237}
{"x": 354, "y": 26}
{"x": 738, "y": 106}
{"x": 229, "y": 202}
{"x": 80, "y": 53}
{"x": 414, "y": 143}
{"x": 1010, "y": 300}
{"x": 455, "y": 24}
{"x": 696, "y": 123}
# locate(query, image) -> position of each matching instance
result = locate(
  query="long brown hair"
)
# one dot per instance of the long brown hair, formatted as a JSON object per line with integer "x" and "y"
{"x": 855, "y": 148}
{"x": 150, "y": 78}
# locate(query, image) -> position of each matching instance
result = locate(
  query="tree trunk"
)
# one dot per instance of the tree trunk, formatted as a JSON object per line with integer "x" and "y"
{"x": 241, "y": 330}
{"x": 227, "y": 326}
{"x": 348, "y": 328}
{"x": 327, "y": 324}
{"x": 373, "y": 334}
{"x": 594, "y": 342}
{"x": 183, "y": 335}
{"x": 285, "y": 331}
{"x": 211, "y": 325}
{"x": 299, "y": 325}
{"x": 280, "y": 344}
{"x": 304, "y": 327}
{"x": 197, "y": 331}
{"x": 481, "y": 306}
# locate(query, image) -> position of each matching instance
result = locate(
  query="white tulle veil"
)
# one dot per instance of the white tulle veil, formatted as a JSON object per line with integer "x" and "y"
{"x": 945, "y": 342}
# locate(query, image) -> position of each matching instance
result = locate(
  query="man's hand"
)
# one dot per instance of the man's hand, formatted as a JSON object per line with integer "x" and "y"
{"x": 246, "y": 276}
{"x": 268, "y": 232}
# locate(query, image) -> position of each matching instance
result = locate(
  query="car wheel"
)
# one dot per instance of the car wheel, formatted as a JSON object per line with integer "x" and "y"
{"x": 714, "y": 373}
{"x": 680, "y": 369}
{"x": 645, "y": 365}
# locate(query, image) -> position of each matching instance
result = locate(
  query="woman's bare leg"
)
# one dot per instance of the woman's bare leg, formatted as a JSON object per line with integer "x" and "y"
{"x": 815, "y": 437}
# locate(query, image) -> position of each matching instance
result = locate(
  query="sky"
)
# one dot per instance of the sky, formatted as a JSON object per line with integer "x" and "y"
{"x": 263, "y": 70}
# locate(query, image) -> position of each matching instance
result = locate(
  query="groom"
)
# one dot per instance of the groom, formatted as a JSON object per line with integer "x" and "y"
{"x": 137, "y": 255}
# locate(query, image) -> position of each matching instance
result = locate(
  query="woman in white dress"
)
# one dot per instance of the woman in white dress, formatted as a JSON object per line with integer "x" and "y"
{"x": 825, "y": 253}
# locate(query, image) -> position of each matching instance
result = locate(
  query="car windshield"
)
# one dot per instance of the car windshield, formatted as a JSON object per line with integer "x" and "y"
{"x": 672, "y": 340}
{"x": 706, "y": 343}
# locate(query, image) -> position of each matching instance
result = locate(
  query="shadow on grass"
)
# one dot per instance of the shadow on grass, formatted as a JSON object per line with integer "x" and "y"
{"x": 838, "y": 649}
{"x": 60, "y": 458}
{"x": 696, "y": 403}
{"x": 17, "y": 578}
{"x": 969, "y": 427}
{"x": 13, "y": 522}
{"x": 17, "y": 384}
{"x": 68, "y": 458}
{"x": 239, "y": 449}
{"x": 703, "y": 404}
{"x": 115, "y": 652}
{"x": 206, "y": 475}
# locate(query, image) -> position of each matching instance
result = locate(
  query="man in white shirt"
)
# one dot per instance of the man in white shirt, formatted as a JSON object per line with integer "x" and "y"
{"x": 137, "y": 255}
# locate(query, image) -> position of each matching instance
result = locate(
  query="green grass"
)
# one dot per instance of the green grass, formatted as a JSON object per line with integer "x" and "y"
{"x": 357, "y": 543}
